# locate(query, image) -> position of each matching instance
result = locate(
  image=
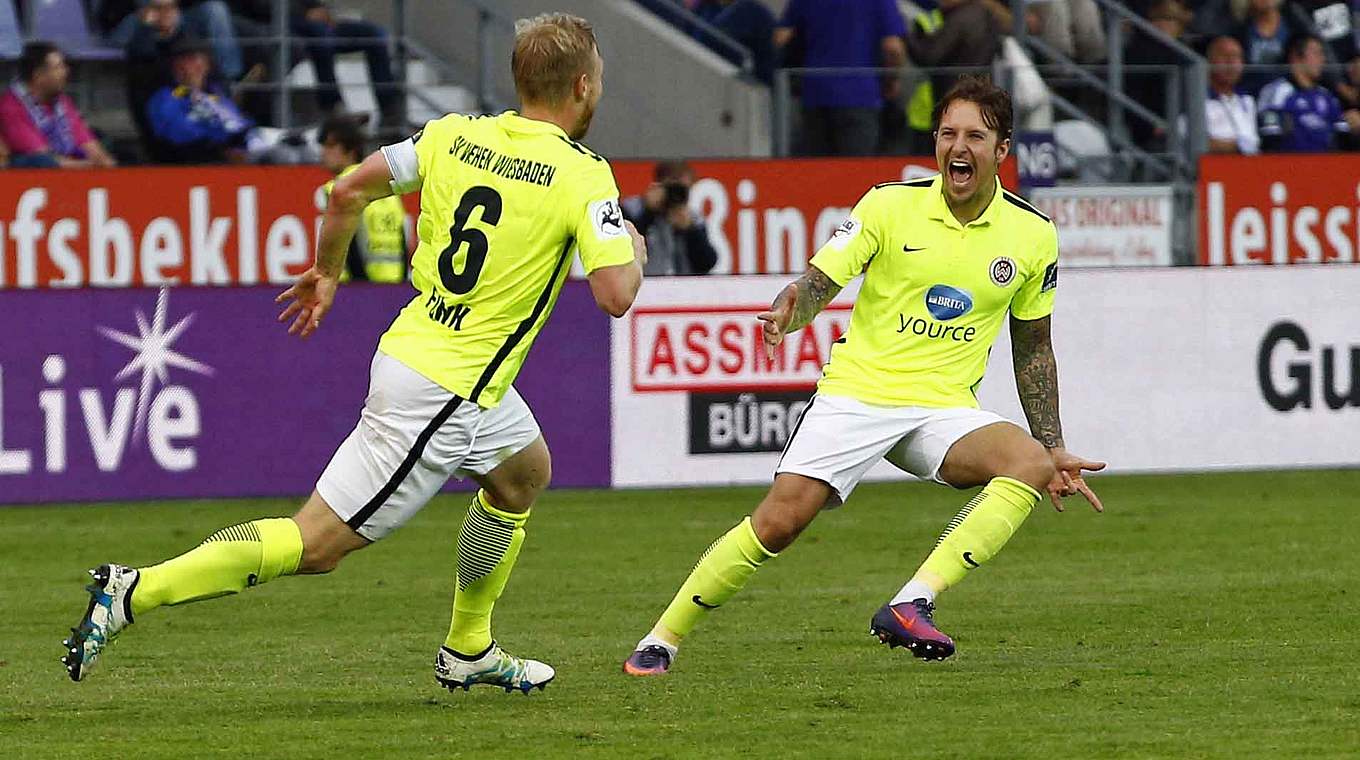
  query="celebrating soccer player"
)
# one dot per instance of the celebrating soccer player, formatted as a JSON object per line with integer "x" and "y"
{"x": 504, "y": 202}
{"x": 944, "y": 260}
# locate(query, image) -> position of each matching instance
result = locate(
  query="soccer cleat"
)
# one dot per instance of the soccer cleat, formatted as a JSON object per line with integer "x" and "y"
{"x": 650, "y": 660}
{"x": 910, "y": 625}
{"x": 493, "y": 668}
{"x": 110, "y": 611}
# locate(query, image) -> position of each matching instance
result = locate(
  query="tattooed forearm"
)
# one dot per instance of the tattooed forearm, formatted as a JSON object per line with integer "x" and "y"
{"x": 815, "y": 291}
{"x": 1036, "y": 378}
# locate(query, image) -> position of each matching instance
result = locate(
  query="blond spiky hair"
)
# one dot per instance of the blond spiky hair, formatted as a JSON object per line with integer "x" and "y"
{"x": 551, "y": 51}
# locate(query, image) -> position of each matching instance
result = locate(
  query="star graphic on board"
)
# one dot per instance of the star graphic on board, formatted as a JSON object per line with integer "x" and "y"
{"x": 153, "y": 354}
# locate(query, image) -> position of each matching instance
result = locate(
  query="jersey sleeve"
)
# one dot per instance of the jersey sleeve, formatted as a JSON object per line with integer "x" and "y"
{"x": 409, "y": 160}
{"x": 598, "y": 224}
{"x": 853, "y": 244}
{"x": 1034, "y": 299}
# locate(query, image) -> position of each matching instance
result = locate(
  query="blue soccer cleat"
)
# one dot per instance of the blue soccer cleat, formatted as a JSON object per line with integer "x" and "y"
{"x": 110, "y": 611}
{"x": 494, "y": 667}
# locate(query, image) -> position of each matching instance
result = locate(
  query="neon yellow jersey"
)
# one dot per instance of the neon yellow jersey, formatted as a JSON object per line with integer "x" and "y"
{"x": 380, "y": 239}
{"x": 504, "y": 201}
{"x": 935, "y": 292}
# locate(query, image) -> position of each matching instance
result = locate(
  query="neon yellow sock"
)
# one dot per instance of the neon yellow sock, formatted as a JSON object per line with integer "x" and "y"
{"x": 721, "y": 572}
{"x": 227, "y": 562}
{"x": 977, "y": 532}
{"x": 488, "y": 546}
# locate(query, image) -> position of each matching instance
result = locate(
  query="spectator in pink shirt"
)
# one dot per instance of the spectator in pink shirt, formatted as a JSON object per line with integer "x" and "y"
{"x": 39, "y": 123}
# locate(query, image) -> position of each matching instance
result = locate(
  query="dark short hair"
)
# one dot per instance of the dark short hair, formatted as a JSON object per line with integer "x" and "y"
{"x": 1297, "y": 42}
{"x": 670, "y": 170}
{"x": 994, "y": 102}
{"x": 189, "y": 44}
{"x": 34, "y": 58}
{"x": 345, "y": 130}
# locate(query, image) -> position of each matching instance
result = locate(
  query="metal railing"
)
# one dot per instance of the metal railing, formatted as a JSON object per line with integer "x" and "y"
{"x": 1185, "y": 92}
{"x": 493, "y": 27}
{"x": 710, "y": 36}
{"x": 1132, "y": 160}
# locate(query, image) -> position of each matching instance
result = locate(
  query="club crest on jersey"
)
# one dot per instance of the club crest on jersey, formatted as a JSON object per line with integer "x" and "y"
{"x": 945, "y": 302}
{"x": 1002, "y": 271}
{"x": 607, "y": 218}
{"x": 845, "y": 233}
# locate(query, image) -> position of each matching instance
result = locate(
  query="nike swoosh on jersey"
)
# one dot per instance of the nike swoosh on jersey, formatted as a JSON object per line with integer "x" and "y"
{"x": 909, "y": 249}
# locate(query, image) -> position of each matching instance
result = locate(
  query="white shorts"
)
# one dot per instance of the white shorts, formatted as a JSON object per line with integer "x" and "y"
{"x": 412, "y": 436}
{"x": 838, "y": 439}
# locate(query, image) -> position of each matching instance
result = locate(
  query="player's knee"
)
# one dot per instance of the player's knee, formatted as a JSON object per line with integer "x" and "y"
{"x": 323, "y": 550}
{"x": 775, "y": 531}
{"x": 777, "y": 524}
{"x": 516, "y": 496}
{"x": 1031, "y": 466}
{"x": 319, "y": 558}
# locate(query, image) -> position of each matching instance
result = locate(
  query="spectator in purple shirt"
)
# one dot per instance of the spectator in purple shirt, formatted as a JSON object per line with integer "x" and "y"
{"x": 38, "y": 121}
{"x": 841, "y": 113}
{"x": 1298, "y": 114}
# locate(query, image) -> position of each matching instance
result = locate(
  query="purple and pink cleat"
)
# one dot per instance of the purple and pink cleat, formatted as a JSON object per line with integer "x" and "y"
{"x": 909, "y": 624}
{"x": 648, "y": 661}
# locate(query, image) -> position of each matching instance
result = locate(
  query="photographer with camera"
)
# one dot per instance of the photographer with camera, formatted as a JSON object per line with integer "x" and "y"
{"x": 677, "y": 240}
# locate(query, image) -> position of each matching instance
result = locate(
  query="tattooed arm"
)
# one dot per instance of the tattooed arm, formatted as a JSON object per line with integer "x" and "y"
{"x": 797, "y": 305}
{"x": 1036, "y": 378}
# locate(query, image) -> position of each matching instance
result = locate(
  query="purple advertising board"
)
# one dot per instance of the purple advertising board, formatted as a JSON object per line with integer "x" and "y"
{"x": 200, "y": 393}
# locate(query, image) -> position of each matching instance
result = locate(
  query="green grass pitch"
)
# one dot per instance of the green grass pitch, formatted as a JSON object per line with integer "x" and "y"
{"x": 1201, "y": 616}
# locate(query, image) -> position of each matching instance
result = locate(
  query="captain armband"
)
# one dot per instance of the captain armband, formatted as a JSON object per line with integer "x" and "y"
{"x": 404, "y": 165}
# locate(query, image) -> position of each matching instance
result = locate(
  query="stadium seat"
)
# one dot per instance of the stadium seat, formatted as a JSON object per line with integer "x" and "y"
{"x": 1083, "y": 151}
{"x": 64, "y": 22}
{"x": 11, "y": 42}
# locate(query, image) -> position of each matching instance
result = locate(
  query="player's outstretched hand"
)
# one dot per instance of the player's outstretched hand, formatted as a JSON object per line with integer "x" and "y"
{"x": 1067, "y": 481}
{"x": 639, "y": 244}
{"x": 307, "y": 302}
{"x": 777, "y": 318}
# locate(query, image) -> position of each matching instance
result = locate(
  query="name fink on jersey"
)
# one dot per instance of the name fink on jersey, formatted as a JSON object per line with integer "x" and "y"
{"x": 447, "y": 314}
{"x": 502, "y": 165}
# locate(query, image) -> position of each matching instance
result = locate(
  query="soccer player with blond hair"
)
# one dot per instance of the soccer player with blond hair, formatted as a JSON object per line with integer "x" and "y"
{"x": 504, "y": 202}
{"x": 946, "y": 261}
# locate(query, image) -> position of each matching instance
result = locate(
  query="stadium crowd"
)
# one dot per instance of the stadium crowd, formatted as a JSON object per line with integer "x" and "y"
{"x": 189, "y": 66}
{"x": 1285, "y": 74}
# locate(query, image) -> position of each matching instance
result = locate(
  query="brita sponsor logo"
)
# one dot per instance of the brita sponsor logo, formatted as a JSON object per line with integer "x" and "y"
{"x": 946, "y": 303}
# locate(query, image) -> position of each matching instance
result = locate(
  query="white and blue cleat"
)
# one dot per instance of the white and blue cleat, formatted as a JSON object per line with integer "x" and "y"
{"x": 110, "y": 611}
{"x": 493, "y": 667}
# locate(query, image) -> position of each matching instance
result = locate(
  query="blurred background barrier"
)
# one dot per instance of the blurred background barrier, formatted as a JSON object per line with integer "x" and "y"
{"x": 1174, "y": 369}
{"x": 249, "y": 225}
{"x": 1279, "y": 209}
{"x": 198, "y": 393}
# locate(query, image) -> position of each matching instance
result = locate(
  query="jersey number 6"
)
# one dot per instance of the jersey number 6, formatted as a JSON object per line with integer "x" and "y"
{"x": 462, "y": 282}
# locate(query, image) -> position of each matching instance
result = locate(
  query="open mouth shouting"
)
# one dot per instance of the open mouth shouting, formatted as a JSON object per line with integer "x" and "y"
{"x": 961, "y": 172}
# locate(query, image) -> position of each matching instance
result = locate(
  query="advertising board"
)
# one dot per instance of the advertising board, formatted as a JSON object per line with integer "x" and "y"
{"x": 1279, "y": 209}
{"x": 1182, "y": 369}
{"x": 198, "y": 392}
{"x": 1109, "y": 225}
{"x": 257, "y": 225}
